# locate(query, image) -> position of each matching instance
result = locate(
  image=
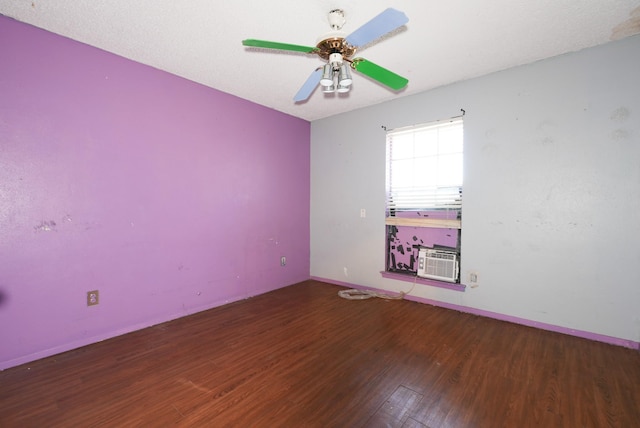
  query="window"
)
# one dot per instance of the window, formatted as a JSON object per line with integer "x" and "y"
{"x": 424, "y": 167}
{"x": 424, "y": 194}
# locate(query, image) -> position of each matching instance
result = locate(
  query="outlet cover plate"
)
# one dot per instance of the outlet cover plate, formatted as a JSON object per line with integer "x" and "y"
{"x": 93, "y": 297}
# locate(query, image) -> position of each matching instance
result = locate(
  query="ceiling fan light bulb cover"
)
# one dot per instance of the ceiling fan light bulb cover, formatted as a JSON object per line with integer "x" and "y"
{"x": 344, "y": 78}
{"x": 329, "y": 89}
{"x": 327, "y": 75}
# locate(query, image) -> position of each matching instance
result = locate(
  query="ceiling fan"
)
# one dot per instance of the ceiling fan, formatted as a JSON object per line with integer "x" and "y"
{"x": 338, "y": 48}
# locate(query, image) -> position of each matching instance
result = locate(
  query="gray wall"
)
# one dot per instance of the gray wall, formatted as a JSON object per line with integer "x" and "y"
{"x": 551, "y": 190}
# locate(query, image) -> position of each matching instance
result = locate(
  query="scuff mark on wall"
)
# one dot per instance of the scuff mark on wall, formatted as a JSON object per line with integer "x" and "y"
{"x": 45, "y": 226}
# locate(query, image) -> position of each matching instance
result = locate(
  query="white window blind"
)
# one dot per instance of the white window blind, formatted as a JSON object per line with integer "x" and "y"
{"x": 424, "y": 167}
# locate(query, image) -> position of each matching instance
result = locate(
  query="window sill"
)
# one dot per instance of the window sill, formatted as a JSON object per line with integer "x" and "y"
{"x": 423, "y": 281}
{"x": 424, "y": 222}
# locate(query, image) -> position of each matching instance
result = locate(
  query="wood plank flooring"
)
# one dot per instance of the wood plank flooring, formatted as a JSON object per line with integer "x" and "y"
{"x": 304, "y": 357}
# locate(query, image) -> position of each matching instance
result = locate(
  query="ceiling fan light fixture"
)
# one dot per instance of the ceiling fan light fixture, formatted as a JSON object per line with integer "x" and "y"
{"x": 343, "y": 89}
{"x": 344, "y": 76}
{"x": 338, "y": 48}
{"x": 327, "y": 75}
{"x": 328, "y": 89}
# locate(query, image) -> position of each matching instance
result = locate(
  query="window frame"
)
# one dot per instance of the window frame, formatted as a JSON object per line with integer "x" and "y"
{"x": 434, "y": 196}
{"x": 434, "y": 213}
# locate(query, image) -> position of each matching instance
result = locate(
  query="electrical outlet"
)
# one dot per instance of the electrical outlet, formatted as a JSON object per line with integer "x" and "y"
{"x": 283, "y": 261}
{"x": 473, "y": 277}
{"x": 93, "y": 297}
{"x": 363, "y": 212}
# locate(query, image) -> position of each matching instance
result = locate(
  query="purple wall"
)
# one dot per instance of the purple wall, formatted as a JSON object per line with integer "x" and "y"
{"x": 167, "y": 196}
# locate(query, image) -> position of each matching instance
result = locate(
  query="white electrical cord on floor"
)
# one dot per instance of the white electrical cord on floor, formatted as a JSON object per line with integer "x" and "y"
{"x": 355, "y": 294}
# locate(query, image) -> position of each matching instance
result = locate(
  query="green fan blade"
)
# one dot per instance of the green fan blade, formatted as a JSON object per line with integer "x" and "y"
{"x": 275, "y": 45}
{"x": 382, "y": 75}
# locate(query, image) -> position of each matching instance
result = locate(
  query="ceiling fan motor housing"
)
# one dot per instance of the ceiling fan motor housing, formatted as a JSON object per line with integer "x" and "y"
{"x": 334, "y": 44}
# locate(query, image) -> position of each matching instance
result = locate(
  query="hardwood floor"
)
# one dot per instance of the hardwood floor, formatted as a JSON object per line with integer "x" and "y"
{"x": 304, "y": 357}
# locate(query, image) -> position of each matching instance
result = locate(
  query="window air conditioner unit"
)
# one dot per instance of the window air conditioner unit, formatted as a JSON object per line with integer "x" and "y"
{"x": 438, "y": 264}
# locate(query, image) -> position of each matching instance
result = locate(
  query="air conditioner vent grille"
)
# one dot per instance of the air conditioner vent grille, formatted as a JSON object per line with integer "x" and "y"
{"x": 438, "y": 264}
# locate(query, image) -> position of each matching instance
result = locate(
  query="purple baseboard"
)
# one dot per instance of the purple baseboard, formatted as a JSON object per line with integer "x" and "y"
{"x": 502, "y": 317}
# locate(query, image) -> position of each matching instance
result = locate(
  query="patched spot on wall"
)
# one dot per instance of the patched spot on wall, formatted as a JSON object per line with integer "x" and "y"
{"x": 547, "y": 130}
{"x": 620, "y": 135}
{"x": 620, "y": 114}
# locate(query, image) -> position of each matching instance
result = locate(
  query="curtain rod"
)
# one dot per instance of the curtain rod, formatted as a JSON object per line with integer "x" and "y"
{"x": 436, "y": 121}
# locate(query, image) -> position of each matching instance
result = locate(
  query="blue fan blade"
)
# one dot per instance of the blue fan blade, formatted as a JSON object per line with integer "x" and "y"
{"x": 309, "y": 86}
{"x": 382, "y": 24}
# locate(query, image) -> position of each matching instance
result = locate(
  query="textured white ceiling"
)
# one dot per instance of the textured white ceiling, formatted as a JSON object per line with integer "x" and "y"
{"x": 444, "y": 42}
